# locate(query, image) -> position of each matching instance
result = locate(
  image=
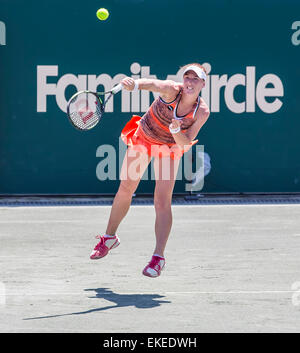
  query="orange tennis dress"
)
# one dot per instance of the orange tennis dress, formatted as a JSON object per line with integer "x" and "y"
{"x": 150, "y": 133}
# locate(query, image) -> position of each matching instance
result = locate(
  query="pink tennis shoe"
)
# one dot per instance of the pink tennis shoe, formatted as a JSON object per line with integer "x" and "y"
{"x": 153, "y": 269}
{"x": 155, "y": 266}
{"x": 105, "y": 244}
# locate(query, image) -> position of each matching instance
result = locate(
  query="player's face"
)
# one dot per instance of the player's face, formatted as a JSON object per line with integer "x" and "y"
{"x": 192, "y": 84}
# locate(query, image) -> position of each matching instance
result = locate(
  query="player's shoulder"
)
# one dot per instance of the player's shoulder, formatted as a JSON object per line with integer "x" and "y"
{"x": 170, "y": 90}
{"x": 173, "y": 85}
{"x": 203, "y": 109}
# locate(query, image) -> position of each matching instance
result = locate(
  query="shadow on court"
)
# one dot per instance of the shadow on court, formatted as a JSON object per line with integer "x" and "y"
{"x": 140, "y": 301}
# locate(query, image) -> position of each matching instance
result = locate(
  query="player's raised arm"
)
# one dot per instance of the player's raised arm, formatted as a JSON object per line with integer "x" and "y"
{"x": 168, "y": 89}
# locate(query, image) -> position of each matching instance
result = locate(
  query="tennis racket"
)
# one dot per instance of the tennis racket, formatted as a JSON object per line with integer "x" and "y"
{"x": 85, "y": 108}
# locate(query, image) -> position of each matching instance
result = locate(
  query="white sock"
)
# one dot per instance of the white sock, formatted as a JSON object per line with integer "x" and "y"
{"x": 159, "y": 256}
{"x": 108, "y": 236}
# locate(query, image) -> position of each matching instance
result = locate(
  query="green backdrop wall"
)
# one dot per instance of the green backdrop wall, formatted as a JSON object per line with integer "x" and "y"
{"x": 250, "y": 48}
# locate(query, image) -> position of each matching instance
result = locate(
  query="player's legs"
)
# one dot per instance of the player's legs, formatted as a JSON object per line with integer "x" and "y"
{"x": 133, "y": 168}
{"x": 134, "y": 165}
{"x": 165, "y": 175}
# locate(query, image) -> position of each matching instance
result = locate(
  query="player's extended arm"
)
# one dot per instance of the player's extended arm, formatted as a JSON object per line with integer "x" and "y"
{"x": 168, "y": 89}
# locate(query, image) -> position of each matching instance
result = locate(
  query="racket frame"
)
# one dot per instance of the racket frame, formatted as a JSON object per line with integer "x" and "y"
{"x": 102, "y": 104}
{"x": 99, "y": 100}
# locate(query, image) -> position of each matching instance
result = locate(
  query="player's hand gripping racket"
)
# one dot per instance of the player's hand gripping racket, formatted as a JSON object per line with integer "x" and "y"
{"x": 85, "y": 109}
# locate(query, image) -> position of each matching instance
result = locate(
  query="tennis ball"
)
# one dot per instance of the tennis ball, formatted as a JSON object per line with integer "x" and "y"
{"x": 102, "y": 14}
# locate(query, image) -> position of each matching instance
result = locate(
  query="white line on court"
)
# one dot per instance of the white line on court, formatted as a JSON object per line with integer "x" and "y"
{"x": 151, "y": 292}
{"x": 44, "y": 221}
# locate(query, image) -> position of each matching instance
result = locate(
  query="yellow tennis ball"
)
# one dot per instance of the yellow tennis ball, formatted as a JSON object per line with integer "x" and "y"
{"x": 102, "y": 14}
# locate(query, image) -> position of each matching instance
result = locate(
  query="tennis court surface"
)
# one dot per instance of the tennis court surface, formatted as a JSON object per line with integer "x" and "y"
{"x": 229, "y": 268}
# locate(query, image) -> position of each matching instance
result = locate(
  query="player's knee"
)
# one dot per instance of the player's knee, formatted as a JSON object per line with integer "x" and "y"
{"x": 126, "y": 188}
{"x": 162, "y": 203}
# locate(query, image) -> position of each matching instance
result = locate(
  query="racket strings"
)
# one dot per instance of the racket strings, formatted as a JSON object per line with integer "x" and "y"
{"x": 85, "y": 111}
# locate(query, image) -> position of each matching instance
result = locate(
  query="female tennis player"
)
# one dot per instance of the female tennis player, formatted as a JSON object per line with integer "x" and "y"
{"x": 165, "y": 132}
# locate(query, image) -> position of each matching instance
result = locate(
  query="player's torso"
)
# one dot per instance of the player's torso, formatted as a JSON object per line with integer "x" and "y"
{"x": 155, "y": 123}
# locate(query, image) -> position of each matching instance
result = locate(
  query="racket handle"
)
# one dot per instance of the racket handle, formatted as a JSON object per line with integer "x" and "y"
{"x": 117, "y": 88}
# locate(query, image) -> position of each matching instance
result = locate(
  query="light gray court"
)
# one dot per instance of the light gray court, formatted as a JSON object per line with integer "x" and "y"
{"x": 229, "y": 268}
